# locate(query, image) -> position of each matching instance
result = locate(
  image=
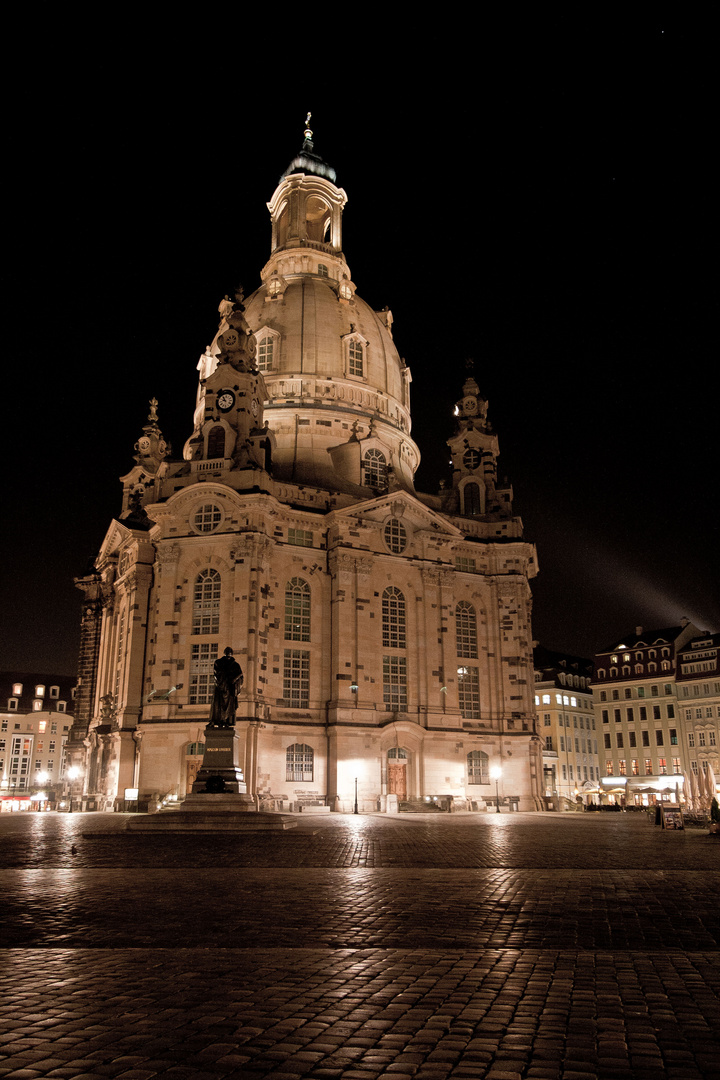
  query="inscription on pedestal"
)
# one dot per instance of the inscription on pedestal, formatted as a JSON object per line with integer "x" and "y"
{"x": 220, "y": 772}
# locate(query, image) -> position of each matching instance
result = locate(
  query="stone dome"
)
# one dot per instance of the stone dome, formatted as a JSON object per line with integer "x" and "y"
{"x": 314, "y": 328}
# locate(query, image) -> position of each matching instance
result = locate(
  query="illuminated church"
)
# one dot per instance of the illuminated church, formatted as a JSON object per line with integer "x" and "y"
{"x": 384, "y": 634}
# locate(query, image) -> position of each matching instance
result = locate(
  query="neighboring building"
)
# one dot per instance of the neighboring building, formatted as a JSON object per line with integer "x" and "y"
{"x": 637, "y": 711}
{"x": 384, "y": 634}
{"x": 698, "y": 695}
{"x": 567, "y": 727}
{"x": 36, "y": 714}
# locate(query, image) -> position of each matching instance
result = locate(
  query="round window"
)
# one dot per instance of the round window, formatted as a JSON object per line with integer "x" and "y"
{"x": 471, "y": 459}
{"x": 207, "y": 518}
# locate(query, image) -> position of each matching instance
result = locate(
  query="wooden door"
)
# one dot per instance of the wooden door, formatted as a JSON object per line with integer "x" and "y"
{"x": 193, "y": 768}
{"x": 397, "y": 779}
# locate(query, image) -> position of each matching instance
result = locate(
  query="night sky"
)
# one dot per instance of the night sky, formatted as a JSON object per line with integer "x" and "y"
{"x": 537, "y": 199}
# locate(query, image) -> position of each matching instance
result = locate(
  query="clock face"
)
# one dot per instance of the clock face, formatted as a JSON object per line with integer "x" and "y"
{"x": 470, "y": 405}
{"x": 225, "y": 400}
{"x": 471, "y": 459}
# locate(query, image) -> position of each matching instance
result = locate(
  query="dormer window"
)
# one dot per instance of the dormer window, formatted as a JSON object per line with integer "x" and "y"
{"x": 39, "y": 691}
{"x": 268, "y": 349}
{"x": 323, "y": 270}
{"x": 355, "y": 356}
{"x": 356, "y": 359}
{"x": 17, "y": 689}
{"x": 374, "y": 470}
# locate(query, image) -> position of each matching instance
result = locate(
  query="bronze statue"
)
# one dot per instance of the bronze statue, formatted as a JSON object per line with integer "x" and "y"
{"x": 228, "y": 680}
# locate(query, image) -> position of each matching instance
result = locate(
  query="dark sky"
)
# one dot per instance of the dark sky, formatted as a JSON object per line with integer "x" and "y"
{"x": 536, "y": 198}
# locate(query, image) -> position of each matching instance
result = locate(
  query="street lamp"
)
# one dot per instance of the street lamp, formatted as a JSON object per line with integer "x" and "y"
{"x": 72, "y": 775}
{"x": 496, "y": 773}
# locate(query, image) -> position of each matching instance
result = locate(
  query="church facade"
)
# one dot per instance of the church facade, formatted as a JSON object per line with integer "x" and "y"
{"x": 384, "y": 634}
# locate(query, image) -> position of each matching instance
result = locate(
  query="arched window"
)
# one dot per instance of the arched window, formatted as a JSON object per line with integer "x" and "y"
{"x": 283, "y": 221}
{"x": 356, "y": 355}
{"x": 397, "y": 753}
{"x": 216, "y": 442}
{"x": 317, "y": 219}
{"x": 393, "y": 619}
{"x": 395, "y": 536}
{"x": 471, "y": 500}
{"x": 466, "y": 629}
{"x": 355, "y": 346}
{"x": 267, "y": 350}
{"x": 469, "y": 692}
{"x": 478, "y": 767}
{"x": 299, "y": 763}
{"x": 374, "y": 469}
{"x": 297, "y": 610}
{"x": 120, "y": 655}
{"x": 195, "y": 749}
{"x": 206, "y": 603}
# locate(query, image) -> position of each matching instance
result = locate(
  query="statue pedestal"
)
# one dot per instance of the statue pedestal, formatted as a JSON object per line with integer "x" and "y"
{"x": 218, "y": 801}
{"x": 220, "y": 773}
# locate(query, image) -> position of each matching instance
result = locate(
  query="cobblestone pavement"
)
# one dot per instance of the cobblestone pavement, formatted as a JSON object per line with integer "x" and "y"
{"x": 356, "y": 948}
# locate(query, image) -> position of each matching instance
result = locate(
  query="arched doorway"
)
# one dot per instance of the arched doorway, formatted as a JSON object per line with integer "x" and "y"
{"x": 193, "y": 760}
{"x": 397, "y": 763}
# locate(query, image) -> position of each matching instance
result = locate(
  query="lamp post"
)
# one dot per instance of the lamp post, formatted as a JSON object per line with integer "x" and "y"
{"x": 356, "y": 804}
{"x": 496, "y": 773}
{"x": 73, "y": 773}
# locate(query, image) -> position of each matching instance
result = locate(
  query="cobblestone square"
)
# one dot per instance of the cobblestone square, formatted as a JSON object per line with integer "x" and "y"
{"x": 355, "y": 947}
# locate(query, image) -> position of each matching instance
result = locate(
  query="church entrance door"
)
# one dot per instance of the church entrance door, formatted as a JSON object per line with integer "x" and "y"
{"x": 397, "y": 772}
